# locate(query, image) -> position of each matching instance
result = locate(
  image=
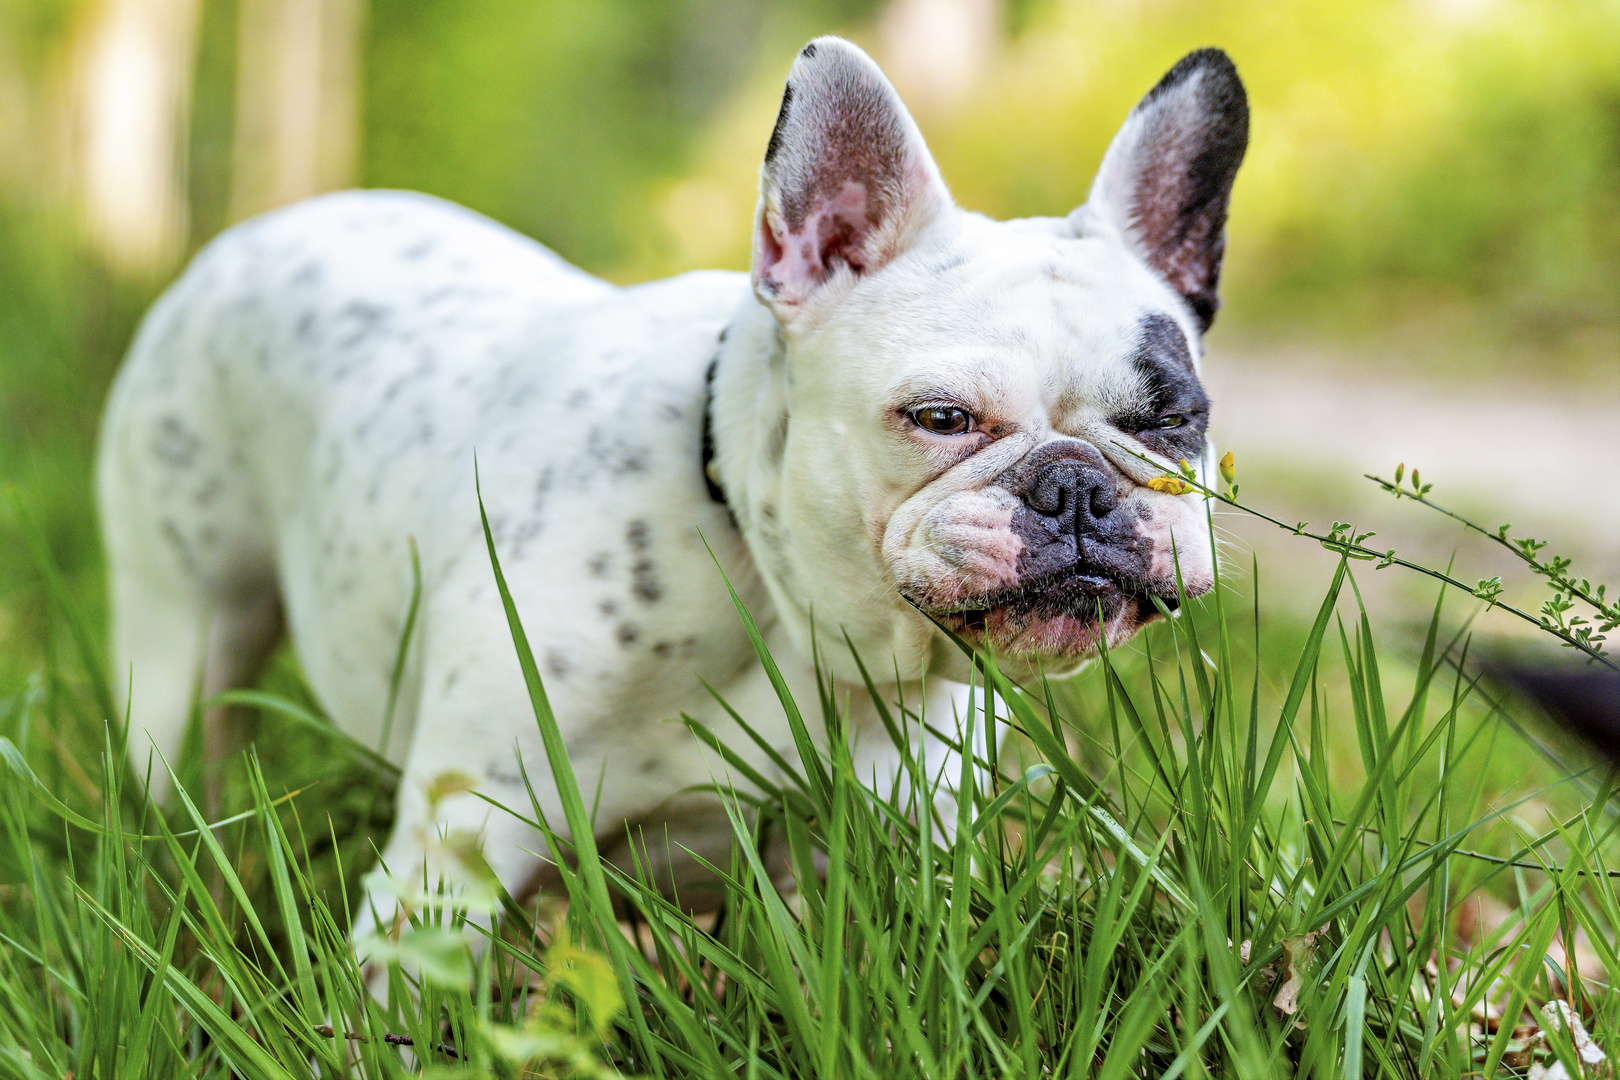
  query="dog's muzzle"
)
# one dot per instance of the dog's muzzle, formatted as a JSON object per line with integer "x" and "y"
{"x": 1080, "y": 541}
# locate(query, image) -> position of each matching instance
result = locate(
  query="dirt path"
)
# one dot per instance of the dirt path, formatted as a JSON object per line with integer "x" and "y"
{"x": 1304, "y": 430}
{"x": 1551, "y": 458}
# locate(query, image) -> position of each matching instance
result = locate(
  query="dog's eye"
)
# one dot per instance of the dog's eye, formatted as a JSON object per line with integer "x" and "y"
{"x": 943, "y": 420}
{"x": 1174, "y": 420}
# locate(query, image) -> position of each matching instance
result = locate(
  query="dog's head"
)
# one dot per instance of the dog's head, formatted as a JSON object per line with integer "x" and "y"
{"x": 954, "y": 418}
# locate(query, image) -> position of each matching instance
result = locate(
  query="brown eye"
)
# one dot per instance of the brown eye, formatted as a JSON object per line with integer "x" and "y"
{"x": 943, "y": 419}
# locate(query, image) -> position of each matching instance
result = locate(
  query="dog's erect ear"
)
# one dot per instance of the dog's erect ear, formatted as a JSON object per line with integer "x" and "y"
{"x": 847, "y": 183}
{"x": 1166, "y": 181}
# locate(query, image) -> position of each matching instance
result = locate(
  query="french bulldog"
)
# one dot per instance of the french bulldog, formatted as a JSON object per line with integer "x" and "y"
{"x": 905, "y": 417}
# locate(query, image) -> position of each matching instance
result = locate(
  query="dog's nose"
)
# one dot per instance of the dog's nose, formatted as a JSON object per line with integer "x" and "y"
{"x": 1074, "y": 492}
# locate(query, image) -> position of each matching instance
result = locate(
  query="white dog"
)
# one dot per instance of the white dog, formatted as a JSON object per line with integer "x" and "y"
{"x": 907, "y": 412}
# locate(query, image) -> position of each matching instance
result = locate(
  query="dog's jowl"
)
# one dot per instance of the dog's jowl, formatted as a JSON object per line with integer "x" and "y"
{"x": 906, "y": 416}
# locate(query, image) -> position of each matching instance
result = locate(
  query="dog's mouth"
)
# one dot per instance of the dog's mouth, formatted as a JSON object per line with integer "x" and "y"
{"x": 1065, "y": 617}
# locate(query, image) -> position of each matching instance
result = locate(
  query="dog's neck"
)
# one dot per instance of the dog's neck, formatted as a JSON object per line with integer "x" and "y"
{"x": 746, "y": 413}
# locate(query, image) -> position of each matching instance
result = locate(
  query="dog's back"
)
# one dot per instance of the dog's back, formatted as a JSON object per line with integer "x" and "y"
{"x": 290, "y": 343}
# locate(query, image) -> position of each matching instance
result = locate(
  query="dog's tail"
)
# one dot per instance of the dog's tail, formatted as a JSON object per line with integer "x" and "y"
{"x": 1586, "y": 699}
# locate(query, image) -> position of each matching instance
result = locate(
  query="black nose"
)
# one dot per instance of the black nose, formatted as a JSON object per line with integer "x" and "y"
{"x": 1077, "y": 494}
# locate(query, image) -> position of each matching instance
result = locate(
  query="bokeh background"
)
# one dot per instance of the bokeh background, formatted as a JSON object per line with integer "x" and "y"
{"x": 1423, "y": 260}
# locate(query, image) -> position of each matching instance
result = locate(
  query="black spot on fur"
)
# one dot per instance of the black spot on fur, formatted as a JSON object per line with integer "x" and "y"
{"x": 306, "y": 326}
{"x": 778, "y": 443}
{"x": 598, "y": 564}
{"x": 557, "y": 665}
{"x": 360, "y": 320}
{"x": 636, "y": 535}
{"x": 662, "y": 649}
{"x": 613, "y": 453}
{"x": 174, "y": 444}
{"x": 626, "y": 634}
{"x": 644, "y": 582}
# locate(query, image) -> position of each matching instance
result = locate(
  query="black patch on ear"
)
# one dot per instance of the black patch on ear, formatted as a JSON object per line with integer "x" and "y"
{"x": 774, "y": 147}
{"x": 809, "y": 51}
{"x": 1170, "y": 387}
{"x": 1184, "y": 178}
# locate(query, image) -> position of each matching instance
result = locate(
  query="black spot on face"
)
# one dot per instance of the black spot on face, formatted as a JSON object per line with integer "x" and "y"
{"x": 636, "y": 534}
{"x": 627, "y": 634}
{"x": 1172, "y": 414}
{"x": 557, "y": 665}
{"x": 663, "y": 649}
{"x": 608, "y": 607}
{"x": 597, "y": 565}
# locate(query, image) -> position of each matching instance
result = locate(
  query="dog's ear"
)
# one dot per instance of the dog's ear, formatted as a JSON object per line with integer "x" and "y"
{"x": 847, "y": 183}
{"x": 1166, "y": 180}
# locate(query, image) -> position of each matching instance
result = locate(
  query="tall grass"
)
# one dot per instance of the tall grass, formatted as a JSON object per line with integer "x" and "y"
{"x": 1173, "y": 869}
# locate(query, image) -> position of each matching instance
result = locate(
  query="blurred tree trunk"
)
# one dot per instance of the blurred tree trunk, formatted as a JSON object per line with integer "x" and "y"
{"x": 132, "y": 79}
{"x": 297, "y": 101}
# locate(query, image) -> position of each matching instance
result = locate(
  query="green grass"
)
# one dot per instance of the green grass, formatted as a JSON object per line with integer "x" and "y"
{"x": 1192, "y": 861}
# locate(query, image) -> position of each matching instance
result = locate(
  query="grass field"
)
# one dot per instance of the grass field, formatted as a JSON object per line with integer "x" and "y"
{"x": 1288, "y": 834}
{"x": 1232, "y": 849}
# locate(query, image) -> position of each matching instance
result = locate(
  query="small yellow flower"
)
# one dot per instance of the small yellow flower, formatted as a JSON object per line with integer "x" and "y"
{"x": 1229, "y": 468}
{"x": 1169, "y": 485}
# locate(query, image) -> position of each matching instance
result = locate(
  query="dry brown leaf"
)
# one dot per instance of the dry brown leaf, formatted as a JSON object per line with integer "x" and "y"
{"x": 1296, "y": 959}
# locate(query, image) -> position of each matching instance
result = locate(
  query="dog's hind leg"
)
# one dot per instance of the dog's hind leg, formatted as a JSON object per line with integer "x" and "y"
{"x": 157, "y": 652}
{"x": 245, "y": 629}
{"x": 178, "y": 643}
{"x": 190, "y": 554}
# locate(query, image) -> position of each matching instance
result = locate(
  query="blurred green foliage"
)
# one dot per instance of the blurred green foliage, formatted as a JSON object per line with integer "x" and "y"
{"x": 1404, "y": 155}
{"x": 552, "y": 116}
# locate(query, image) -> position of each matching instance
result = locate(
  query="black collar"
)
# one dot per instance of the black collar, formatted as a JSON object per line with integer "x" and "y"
{"x": 710, "y": 472}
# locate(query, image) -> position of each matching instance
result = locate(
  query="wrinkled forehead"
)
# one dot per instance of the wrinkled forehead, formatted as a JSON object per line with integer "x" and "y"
{"x": 1019, "y": 304}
